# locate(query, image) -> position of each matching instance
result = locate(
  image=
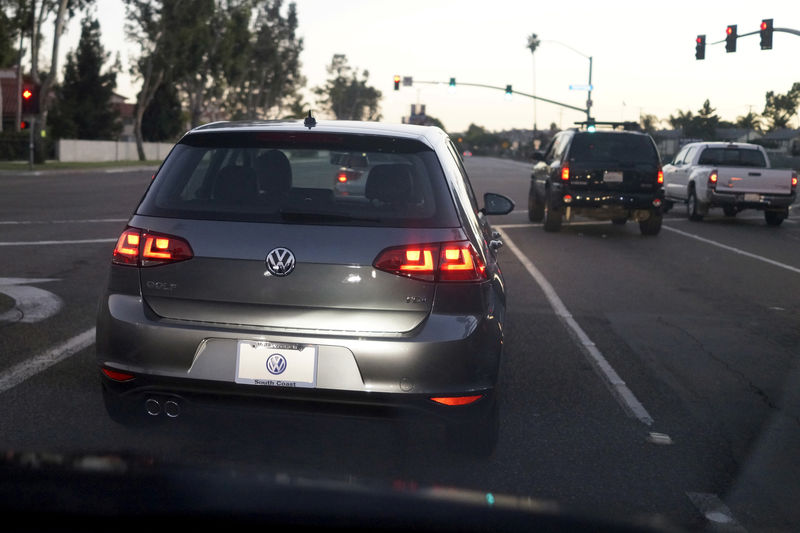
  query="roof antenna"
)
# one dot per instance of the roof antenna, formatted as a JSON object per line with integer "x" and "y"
{"x": 310, "y": 121}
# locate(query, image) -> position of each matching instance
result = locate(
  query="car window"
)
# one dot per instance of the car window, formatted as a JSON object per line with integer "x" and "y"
{"x": 680, "y": 158}
{"x": 733, "y": 157}
{"x": 339, "y": 179}
{"x": 689, "y": 156}
{"x": 613, "y": 147}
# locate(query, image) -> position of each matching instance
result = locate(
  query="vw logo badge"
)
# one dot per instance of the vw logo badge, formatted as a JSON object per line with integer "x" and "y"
{"x": 276, "y": 364}
{"x": 280, "y": 262}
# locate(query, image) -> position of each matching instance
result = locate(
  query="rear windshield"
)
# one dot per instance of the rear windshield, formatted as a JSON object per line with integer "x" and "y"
{"x": 733, "y": 157}
{"x": 619, "y": 148}
{"x": 304, "y": 178}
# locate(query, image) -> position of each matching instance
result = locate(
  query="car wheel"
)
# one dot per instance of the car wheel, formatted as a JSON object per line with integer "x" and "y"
{"x": 619, "y": 221}
{"x": 535, "y": 207}
{"x": 552, "y": 215}
{"x": 729, "y": 211}
{"x": 774, "y": 218}
{"x": 692, "y": 207}
{"x": 476, "y": 437}
{"x": 652, "y": 225}
{"x": 126, "y": 412}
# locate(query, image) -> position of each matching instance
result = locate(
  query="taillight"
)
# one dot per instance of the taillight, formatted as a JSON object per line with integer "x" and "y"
{"x": 794, "y": 180}
{"x": 565, "y": 172}
{"x": 660, "y": 177}
{"x": 712, "y": 178}
{"x": 448, "y": 261}
{"x": 457, "y": 400}
{"x": 116, "y": 375}
{"x": 140, "y": 248}
{"x": 342, "y": 177}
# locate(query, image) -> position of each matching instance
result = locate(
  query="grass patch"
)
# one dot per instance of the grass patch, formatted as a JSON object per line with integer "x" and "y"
{"x": 22, "y": 166}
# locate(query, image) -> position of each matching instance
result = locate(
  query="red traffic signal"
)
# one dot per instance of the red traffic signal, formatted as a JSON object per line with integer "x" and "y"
{"x": 700, "y": 47}
{"x": 30, "y": 100}
{"x": 730, "y": 38}
{"x": 396, "y": 82}
{"x": 766, "y": 34}
{"x": 23, "y": 125}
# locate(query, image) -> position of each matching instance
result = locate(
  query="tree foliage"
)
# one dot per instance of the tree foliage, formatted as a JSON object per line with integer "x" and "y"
{"x": 750, "y": 121}
{"x": 779, "y": 109}
{"x": 163, "y": 118}
{"x": 703, "y": 125}
{"x": 346, "y": 95}
{"x": 82, "y": 108}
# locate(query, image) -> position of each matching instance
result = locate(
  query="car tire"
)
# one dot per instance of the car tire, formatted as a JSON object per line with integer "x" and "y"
{"x": 693, "y": 207}
{"x": 730, "y": 211}
{"x": 619, "y": 221}
{"x": 476, "y": 437}
{"x": 535, "y": 207}
{"x": 774, "y": 218}
{"x": 552, "y": 215}
{"x": 652, "y": 225}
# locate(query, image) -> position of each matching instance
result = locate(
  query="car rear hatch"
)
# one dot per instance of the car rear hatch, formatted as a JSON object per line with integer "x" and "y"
{"x": 608, "y": 161}
{"x": 743, "y": 170}
{"x": 281, "y": 251}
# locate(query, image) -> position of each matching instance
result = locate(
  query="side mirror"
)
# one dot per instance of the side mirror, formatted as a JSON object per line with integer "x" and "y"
{"x": 496, "y": 204}
{"x": 538, "y": 156}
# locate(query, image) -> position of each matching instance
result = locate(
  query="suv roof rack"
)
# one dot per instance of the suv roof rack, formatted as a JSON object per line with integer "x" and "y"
{"x": 626, "y": 126}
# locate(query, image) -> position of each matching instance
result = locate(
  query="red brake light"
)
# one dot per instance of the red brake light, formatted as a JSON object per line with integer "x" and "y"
{"x": 450, "y": 261}
{"x": 713, "y": 177}
{"x": 565, "y": 172}
{"x": 342, "y": 177}
{"x": 660, "y": 178}
{"x": 457, "y": 400}
{"x": 139, "y": 248}
{"x": 794, "y": 180}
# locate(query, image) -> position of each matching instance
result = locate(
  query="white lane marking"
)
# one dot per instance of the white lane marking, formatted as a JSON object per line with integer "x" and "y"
{"x": 714, "y": 510}
{"x": 734, "y": 250}
{"x": 27, "y": 369}
{"x": 45, "y": 243}
{"x": 619, "y": 389}
{"x": 69, "y": 221}
{"x": 31, "y": 304}
{"x": 539, "y": 224}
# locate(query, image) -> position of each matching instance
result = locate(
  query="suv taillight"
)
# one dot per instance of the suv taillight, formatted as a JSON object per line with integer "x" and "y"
{"x": 565, "y": 172}
{"x": 660, "y": 176}
{"x": 446, "y": 261}
{"x": 712, "y": 179}
{"x": 136, "y": 247}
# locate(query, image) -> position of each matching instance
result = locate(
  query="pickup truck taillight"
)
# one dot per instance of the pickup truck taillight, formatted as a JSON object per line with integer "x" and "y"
{"x": 794, "y": 180}
{"x": 712, "y": 179}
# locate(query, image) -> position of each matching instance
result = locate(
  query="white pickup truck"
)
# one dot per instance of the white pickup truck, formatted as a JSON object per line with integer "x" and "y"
{"x": 733, "y": 176}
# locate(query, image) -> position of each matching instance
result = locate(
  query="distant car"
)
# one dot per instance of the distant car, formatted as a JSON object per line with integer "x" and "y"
{"x": 603, "y": 174}
{"x": 733, "y": 176}
{"x": 467, "y": 153}
{"x": 243, "y": 277}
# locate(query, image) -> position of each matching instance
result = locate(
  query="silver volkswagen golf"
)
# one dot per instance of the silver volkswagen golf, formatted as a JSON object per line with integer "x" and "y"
{"x": 242, "y": 277}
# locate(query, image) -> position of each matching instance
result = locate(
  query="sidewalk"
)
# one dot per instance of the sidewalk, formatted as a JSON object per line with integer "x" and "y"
{"x": 22, "y": 168}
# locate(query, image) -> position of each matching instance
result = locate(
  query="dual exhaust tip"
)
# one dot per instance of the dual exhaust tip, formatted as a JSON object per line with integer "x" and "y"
{"x": 156, "y": 406}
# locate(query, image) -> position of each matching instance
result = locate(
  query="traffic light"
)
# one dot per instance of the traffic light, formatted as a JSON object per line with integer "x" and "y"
{"x": 730, "y": 38}
{"x": 700, "y": 47}
{"x": 23, "y": 125}
{"x": 766, "y": 34}
{"x": 591, "y": 127}
{"x": 509, "y": 92}
{"x": 30, "y": 100}
{"x": 452, "y": 83}
{"x": 396, "y": 82}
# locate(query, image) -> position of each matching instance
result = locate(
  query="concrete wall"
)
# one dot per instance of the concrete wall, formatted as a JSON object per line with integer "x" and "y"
{"x": 81, "y": 151}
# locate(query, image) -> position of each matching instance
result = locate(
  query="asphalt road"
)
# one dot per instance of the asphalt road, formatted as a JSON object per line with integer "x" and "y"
{"x": 643, "y": 376}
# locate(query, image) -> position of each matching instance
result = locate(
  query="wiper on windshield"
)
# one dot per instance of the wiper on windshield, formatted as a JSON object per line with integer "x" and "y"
{"x": 322, "y": 216}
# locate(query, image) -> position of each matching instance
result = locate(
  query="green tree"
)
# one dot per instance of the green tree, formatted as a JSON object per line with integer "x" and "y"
{"x": 163, "y": 120}
{"x": 82, "y": 109}
{"x": 346, "y": 95}
{"x": 649, "y": 123}
{"x": 780, "y": 108}
{"x": 263, "y": 70}
{"x": 9, "y": 34}
{"x": 750, "y": 121}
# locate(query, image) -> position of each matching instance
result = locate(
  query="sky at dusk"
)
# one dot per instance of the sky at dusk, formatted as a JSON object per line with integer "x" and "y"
{"x": 642, "y": 55}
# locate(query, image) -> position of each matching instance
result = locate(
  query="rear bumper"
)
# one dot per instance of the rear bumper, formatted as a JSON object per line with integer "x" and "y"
{"x": 449, "y": 355}
{"x": 738, "y": 200}
{"x": 582, "y": 197}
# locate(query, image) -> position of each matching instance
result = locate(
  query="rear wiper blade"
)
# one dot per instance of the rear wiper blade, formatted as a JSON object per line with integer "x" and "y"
{"x": 323, "y": 216}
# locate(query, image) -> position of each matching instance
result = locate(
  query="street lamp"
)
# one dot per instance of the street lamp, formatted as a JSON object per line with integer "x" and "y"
{"x": 533, "y": 44}
{"x": 589, "y": 96}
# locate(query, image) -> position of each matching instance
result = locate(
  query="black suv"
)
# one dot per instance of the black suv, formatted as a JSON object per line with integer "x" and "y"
{"x": 604, "y": 174}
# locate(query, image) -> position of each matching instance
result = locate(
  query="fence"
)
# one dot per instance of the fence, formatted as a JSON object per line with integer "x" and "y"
{"x": 71, "y": 150}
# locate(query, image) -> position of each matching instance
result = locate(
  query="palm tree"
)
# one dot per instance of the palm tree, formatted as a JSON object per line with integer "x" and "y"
{"x": 533, "y": 44}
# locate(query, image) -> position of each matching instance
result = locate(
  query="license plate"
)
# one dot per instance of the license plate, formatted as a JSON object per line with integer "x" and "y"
{"x": 276, "y": 365}
{"x": 611, "y": 177}
{"x": 751, "y": 197}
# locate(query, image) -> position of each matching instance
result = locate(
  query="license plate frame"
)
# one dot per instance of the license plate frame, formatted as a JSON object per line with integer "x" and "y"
{"x": 612, "y": 177}
{"x": 273, "y": 364}
{"x": 752, "y": 197}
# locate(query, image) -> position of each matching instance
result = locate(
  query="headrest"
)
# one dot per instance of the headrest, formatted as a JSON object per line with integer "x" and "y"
{"x": 274, "y": 172}
{"x": 391, "y": 184}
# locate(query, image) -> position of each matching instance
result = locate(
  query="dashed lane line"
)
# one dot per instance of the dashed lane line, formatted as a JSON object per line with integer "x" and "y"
{"x": 29, "y": 368}
{"x": 618, "y": 387}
